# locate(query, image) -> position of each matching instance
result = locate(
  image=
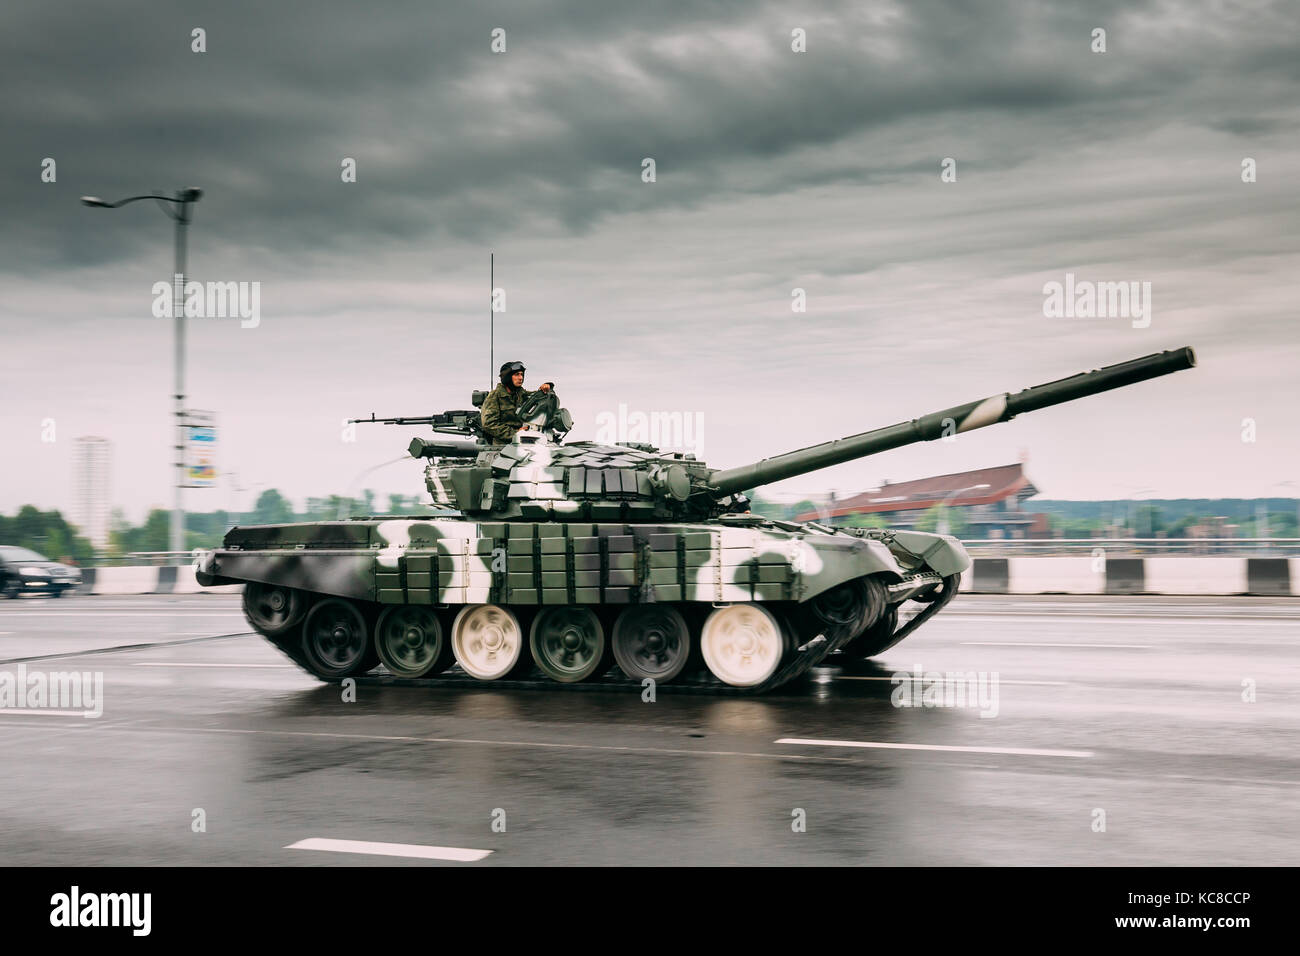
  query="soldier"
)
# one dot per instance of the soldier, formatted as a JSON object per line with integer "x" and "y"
{"x": 500, "y": 416}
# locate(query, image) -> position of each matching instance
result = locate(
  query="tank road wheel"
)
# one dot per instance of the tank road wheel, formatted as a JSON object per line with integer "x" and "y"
{"x": 568, "y": 643}
{"x": 336, "y": 641}
{"x": 875, "y": 639}
{"x": 273, "y": 610}
{"x": 410, "y": 641}
{"x": 651, "y": 640}
{"x": 743, "y": 644}
{"x": 487, "y": 641}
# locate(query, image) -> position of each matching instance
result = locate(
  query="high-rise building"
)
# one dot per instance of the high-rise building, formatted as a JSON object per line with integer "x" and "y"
{"x": 92, "y": 472}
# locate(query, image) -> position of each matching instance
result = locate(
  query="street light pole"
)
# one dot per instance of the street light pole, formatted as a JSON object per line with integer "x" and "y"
{"x": 182, "y": 219}
{"x": 181, "y": 215}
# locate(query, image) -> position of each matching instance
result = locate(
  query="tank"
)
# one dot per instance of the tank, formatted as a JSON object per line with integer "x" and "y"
{"x": 571, "y": 558}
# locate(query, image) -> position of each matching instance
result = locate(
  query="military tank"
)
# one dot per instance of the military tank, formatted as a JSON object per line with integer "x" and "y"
{"x": 573, "y": 557}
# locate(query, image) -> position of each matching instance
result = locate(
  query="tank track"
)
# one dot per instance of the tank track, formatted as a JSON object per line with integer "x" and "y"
{"x": 810, "y": 653}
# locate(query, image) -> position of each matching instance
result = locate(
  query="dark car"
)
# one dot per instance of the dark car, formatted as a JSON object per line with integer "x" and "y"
{"x": 25, "y": 572}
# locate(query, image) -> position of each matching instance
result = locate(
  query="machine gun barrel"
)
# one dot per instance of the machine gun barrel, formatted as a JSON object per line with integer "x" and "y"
{"x": 961, "y": 418}
{"x": 453, "y": 419}
{"x": 419, "y": 420}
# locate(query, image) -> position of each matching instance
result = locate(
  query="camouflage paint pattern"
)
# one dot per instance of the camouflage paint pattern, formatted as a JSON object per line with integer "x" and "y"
{"x": 459, "y": 561}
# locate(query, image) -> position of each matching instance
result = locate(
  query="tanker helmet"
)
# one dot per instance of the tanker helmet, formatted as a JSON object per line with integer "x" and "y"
{"x": 508, "y": 370}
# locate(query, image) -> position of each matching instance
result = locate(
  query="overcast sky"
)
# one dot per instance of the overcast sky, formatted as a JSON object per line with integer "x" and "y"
{"x": 775, "y": 170}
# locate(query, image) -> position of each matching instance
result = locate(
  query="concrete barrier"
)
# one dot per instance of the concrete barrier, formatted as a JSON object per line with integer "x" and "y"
{"x": 1063, "y": 575}
{"x": 1200, "y": 575}
{"x": 1154, "y": 575}
{"x": 167, "y": 580}
{"x": 1126, "y": 576}
{"x": 1268, "y": 576}
{"x": 125, "y": 581}
{"x": 990, "y": 576}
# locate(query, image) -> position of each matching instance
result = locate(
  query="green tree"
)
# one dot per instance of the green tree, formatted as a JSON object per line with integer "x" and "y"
{"x": 153, "y": 535}
{"x": 272, "y": 508}
{"x": 1179, "y": 528}
{"x": 1074, "y": 527}
{"x": 46, "y": 532}
{"x": 338, "y": 507}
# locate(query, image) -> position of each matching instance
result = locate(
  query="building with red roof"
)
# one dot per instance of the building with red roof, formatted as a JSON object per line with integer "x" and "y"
{"x": 991, "y": 500}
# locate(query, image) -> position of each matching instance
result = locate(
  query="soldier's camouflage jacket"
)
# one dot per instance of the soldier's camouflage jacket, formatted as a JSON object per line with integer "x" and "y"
{"x": 500, "y": 413}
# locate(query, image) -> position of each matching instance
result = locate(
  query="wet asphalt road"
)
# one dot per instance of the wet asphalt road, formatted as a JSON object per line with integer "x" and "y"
{"x": 1131, "y": 706}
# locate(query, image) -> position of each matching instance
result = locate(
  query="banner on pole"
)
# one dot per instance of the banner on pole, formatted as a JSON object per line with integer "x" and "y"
{"x": 200, "y": 449}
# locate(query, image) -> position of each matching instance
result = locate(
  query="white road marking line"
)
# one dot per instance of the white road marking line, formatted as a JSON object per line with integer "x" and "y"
{"x": 458, "y": 854}
{"x": 908, "y": 675}
{"x": 1251, "y": 781}
{"x": 1021, "y": 751}
{"x": 101, "y": 723}
{"x": 195, "y": 664}
{"x": 1044, "y": 644}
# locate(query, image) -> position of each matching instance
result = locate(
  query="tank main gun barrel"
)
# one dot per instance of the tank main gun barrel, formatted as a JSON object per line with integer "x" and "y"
{"x": 961, "y": 418}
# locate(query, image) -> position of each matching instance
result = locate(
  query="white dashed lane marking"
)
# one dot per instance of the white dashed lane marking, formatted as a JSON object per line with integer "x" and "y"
{"x": 200, "y": 664}
{"x": 414, "y": 850}
{"x": 1046, "y": 644}
{"x": 1015, "y": 751}
{"x": 907, "y": 676}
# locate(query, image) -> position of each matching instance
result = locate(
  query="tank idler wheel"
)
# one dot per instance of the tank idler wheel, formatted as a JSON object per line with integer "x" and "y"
{"x": 409, "y": 639}
{"x": 950, "y": 582}
{"x": 273, "y": 610}
{"x": 845, "y": 610}
{"x": 568, "y": 643}
{"x": 651, "y": 641}
{"x": 743, "y": 644}
{"x": 488, "y": 641}
{"x": 875, "y": 639}
{"x": 336, "y": 640}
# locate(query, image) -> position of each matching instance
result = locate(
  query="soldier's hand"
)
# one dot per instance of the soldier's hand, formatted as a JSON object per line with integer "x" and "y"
{"x": 546, "y": 387}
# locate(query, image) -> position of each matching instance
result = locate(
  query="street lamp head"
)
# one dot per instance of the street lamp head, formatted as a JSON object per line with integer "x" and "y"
{"x": 191, "y": 194}
{"x": 93, "y": 201}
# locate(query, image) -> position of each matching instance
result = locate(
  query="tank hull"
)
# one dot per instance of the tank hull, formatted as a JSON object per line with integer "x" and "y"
{"x": 822, "y": 587}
